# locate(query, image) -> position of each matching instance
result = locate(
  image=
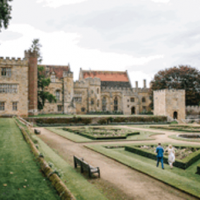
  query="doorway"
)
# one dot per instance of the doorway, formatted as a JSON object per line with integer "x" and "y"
{"x": 133, "y": 110}
{"x": 175, "y": 115}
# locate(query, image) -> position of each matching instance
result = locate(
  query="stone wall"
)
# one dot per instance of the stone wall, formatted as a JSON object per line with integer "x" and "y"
{"x": 170, "y": 103}
{"x": 19, "y": 78}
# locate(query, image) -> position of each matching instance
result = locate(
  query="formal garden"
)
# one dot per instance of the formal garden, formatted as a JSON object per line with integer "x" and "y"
{"x": 142, "y": 157}
{"x": 23, "y": 176}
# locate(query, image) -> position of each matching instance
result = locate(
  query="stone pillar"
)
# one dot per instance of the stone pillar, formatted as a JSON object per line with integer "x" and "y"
{"x": 32, "y": 83}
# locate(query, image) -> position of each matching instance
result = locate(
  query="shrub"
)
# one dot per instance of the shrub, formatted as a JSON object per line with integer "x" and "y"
{"x": 102, "y": 121}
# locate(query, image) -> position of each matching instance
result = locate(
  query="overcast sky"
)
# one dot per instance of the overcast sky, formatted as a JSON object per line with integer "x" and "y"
{"x": 141, "y": 36}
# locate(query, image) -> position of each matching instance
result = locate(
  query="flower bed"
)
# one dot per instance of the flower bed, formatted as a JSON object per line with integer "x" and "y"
{"x": 97, "y": 133}
{"x": 185, "y": 155}
{"x": 179, "y": 128}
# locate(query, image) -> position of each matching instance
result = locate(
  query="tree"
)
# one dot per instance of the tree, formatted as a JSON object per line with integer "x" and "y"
{"x": 36, "y": 47}
{"x": 43, "y": 82}
{"x": 5, "y": 11}
{"x": 181, "y": 77}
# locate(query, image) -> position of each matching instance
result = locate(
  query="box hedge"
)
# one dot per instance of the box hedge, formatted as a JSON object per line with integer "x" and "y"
{"x": 183, "y": 164}
{"x": 85, "y": 134}
{"x": 51, "y": 121}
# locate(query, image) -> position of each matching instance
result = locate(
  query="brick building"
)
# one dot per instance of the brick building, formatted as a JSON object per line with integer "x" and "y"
{"x": 94, "y": 91}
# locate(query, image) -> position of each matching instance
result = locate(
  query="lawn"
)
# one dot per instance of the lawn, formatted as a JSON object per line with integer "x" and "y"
{"x": 144, "y": 135}
{"x": 185, "y": 180}
{"x": 75, "y": 182}
{"x": 20, "y": 175}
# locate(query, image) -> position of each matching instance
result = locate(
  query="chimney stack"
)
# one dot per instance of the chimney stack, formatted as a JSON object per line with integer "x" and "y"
{"x": 136, "y": 84}
{"x": 145, "y": 83}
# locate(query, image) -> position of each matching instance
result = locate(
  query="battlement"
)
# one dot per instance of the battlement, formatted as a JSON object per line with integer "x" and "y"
{"x": 139, "y": 90}
{"x": 13, "y": 61}
{"x": 170, "y": 91}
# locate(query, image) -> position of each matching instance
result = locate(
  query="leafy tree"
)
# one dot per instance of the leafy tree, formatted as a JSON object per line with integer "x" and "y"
{"x": 5, "y": 10}
{"x": 43, "y": 82}
{"x": 181, "y": 77}
{"x": 36, "y": 47}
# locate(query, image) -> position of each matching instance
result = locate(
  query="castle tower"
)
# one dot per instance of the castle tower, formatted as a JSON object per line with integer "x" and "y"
{"x": 68, "y": 90}
{"x": 32, "y": 82}
{"x": 170, "y": 103}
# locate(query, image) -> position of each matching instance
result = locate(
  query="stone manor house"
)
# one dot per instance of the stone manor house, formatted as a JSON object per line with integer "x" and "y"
{"x": 94, "y": 91}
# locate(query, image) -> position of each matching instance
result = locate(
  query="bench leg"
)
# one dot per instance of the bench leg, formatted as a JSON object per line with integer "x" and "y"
{"x": 82, "y": 168}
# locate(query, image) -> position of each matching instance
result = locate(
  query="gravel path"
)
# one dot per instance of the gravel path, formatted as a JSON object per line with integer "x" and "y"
{"x": 133, "y": 184}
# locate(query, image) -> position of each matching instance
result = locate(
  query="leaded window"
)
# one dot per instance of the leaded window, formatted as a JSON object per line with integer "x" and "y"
{"x": 2, "y": 105}
{"x": 115, "y": 104}
{"x": 8, "y": 88}
{"x": 14, "y": 105}
{"x": 104, "y": 104}
{"x": 58, "y": 95}
{"x": 6, "y": 72}
{"x": 59, "y": 107}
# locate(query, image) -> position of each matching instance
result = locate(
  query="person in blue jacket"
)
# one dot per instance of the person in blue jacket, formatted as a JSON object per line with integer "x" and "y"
{"x": 160, "y": 151}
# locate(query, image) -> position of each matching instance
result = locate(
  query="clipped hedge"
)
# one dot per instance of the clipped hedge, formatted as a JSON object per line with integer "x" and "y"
{"x": 198, "y": 169}
{"x": 176, "y": 128}
{"x": 85, "y": 134}
{"x": 183, "y": 164}
{"x": 53, "y": 121}
{"x": 60, "y": 187}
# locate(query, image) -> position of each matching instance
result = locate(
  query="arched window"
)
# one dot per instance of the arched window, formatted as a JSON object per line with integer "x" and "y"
{"x": 98, "y": 103}
{"x": 97, "y": 90}
{"x": 58, "y": 95}
{"x": 115, "y": 104}
{"x": 143, "y": 100}
{"x": 104, "y": 104}
{"x": 92, "y": 101}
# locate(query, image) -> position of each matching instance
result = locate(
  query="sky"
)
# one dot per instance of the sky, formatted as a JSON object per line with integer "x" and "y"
{"x": 140, "y": 36}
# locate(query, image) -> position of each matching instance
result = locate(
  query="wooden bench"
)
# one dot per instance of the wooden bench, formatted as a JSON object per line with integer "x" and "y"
{"x": 85, "y": 167}
{"x": 36, "y": 131}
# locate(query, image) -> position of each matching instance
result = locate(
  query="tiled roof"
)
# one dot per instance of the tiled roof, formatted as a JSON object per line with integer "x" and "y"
{"x": 107, "y": 75}
{"x": 58, "y": 70}
{"x": 115, "y": 84}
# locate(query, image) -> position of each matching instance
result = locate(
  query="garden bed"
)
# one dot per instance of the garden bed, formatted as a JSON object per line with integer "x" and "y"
{"x": 99, "y": 133}
{"x": 191, "y": 129}
{"x": 185, "y": 155}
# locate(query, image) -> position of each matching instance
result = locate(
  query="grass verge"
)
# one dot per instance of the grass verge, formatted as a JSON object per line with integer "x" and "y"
{"x": 20, "y": 174}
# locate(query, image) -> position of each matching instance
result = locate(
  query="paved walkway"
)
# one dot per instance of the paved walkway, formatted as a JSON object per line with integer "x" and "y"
{"x": 133, "y": 184}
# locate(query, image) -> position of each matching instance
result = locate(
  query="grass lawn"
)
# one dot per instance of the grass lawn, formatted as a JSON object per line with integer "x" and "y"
{"x": 20, "y": 175}
{"x": 144, "y": 135}
{"x": 185, "y": 180}
{"x": 76, "y": 183}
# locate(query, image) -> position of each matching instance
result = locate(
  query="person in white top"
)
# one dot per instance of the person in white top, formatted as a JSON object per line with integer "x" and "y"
{"x": 171, "y": 155}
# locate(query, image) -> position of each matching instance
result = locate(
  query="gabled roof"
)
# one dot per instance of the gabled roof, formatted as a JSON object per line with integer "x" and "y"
{"x": 107, "y": 75}
{"x": 58, "y": 70}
